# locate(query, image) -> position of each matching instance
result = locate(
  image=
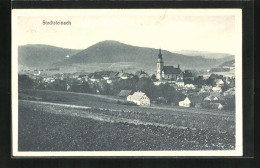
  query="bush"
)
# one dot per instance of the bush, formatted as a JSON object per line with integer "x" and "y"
{"x": 25, "y": 82}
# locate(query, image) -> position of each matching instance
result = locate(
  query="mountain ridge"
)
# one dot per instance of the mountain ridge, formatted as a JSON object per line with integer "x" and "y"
{"x": 109, "y": 51}
{"x": 41, "y": 55}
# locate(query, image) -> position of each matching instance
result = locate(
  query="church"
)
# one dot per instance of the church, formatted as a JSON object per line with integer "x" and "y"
{"x": 167, "y": 72}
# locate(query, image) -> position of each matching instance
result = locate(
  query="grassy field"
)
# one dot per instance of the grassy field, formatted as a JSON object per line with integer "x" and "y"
{"x": 60, "y": 121}
{"x": 110, "y": 102}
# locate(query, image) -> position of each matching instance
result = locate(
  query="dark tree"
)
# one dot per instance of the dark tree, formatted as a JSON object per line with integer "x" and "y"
{"x": 106, "y": 90}
{"x": 170, "y": 93}
{"x": 225, "y": 87}
{"x": 60, "y": 85}
{"x": 25, "y": 82}
{"x": 128, "y": 84}
{"x": 199, "y": 81}
{"x": 153, "y": 77}
{"x": 210, "y": 81}
{"x": 146, "y": 85}
{"x": 50, "y": 86}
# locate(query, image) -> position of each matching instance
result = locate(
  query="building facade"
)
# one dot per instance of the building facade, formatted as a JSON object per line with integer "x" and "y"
{"x": 139, "y": 98}
{"x": 185, "y": 103}
{"x": 166, "y": 72}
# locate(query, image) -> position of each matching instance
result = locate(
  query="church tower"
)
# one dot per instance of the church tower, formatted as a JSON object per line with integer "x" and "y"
{"x": 159, "y": 66}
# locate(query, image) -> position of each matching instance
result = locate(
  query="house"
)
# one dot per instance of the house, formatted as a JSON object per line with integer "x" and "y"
{"x": 113, "y": 75}
{"x": 109, "y": 81}
{"x": 214, "y": 96}
{"x": 180, "y": 82}
{"x": 125, "y": 76}
{"x": 83, "y": 77}
{"x": 190, "y": 86}
{"x": 217, "y": 96}
{"x": 217, "y": 106}
{"x": 139, "y": 98}
{"x": 48, "y": 79}
{"x": 37, "y": 72}
{"x": 120, "y": 74}
{"x": 124, "y": 93}
{"x": 157, "y": 83}
{"x": 219, "y": 82}
{"x": 67, "y": 86}
{"x": 106, "y": 77}
{"x": 95, "y": 78}
{"x": 211, "y": 98}
{"x": 185, "y": 103}
{"x": 217, "y": 89}
{"x": 142, "y": 74}
{"x": 206, "y": 76}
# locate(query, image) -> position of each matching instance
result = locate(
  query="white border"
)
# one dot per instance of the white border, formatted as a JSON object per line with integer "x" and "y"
{"x": 76, "y": 12}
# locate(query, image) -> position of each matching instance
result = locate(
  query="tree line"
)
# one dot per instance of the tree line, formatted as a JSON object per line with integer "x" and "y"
{"x": 146, "y": 85}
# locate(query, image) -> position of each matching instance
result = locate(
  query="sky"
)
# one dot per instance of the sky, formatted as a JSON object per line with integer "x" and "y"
{"x": 171, "y": 30}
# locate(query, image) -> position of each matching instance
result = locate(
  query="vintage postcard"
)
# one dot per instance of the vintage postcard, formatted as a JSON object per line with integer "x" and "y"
{"x": 127, "y": 82}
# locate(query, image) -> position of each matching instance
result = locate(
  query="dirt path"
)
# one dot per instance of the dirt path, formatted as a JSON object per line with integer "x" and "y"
{"x": 173, "y": 108}
{"x": 78, "y": 112}
{"x": 56, "y": 104}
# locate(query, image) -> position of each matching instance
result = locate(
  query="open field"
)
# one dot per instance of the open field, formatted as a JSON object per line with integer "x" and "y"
{"x": 110, "y": 102}
{"x": 61, "y": 121}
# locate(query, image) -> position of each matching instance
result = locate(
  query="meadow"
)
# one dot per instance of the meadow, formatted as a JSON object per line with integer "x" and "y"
{"x": 62, "y": 121}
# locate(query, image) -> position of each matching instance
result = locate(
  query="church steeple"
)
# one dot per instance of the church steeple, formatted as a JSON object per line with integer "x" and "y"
{"x": 159, "y": 65}
{"x": 160, "y": 54}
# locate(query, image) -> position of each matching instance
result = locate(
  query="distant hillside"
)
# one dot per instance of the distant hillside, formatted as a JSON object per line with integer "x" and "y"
{"x": 42, "y": 55}
{"x": 230, "y": 63}
{"x": 115, "y": 52}
{"x": 205, "y": 54}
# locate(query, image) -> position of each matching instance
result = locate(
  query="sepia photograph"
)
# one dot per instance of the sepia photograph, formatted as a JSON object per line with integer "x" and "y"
{"x": 127, "y": 82}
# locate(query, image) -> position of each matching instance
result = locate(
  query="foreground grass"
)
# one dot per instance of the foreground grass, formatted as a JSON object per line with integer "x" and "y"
{"x": 56, "y": 128}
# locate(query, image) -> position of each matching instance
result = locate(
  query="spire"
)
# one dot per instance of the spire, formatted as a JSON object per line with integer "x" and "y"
{"x": 179, "y": 66}
{"x": 160, "y": 54}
